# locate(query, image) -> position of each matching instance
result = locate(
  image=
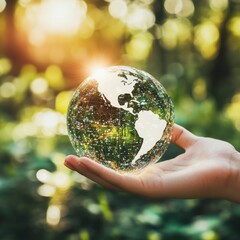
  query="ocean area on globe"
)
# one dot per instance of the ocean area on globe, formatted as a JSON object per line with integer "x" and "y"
{"x": 121, "y": 117}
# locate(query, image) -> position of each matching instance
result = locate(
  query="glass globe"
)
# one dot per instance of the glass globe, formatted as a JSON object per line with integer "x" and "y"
{"x": 120, "y": 117}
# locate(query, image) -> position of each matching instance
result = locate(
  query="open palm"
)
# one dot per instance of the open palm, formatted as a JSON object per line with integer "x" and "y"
{"x": 204, "y": 170}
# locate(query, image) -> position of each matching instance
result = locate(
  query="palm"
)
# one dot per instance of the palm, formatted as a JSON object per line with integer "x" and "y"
{"x": 193, "y": 174}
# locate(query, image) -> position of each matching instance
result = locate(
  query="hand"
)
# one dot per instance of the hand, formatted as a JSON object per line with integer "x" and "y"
{"x": 208, "y": 168}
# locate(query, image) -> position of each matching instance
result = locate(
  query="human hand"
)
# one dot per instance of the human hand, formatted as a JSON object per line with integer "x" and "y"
{"x": 209, "y": 168}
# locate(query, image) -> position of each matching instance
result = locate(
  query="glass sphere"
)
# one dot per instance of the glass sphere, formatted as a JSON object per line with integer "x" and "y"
{"x": 120, "y": 117}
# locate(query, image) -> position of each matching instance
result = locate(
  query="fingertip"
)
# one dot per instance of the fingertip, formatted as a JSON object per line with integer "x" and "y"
{"x": 69, "y": 162}
{"x": 73, "y": 158}
{"x": 69, "y": 165}
{"x": 79, "y": 164}
{"x": 72, "y": 161}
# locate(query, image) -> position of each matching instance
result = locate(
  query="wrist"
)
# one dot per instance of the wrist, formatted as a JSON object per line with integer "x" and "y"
{"x": 233, "y": 184}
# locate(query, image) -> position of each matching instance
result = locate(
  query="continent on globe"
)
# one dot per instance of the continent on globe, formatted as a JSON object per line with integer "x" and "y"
{"x": 113, "y": 89}
{"x": 150, "y": 128}
{"x": 121, "y": 117}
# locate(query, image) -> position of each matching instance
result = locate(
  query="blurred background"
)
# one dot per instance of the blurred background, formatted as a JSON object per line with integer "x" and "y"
{"x": 47, "y": 47}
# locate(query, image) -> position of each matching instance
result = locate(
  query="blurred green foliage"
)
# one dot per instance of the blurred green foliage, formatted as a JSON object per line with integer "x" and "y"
{"x": 47, "y": 48}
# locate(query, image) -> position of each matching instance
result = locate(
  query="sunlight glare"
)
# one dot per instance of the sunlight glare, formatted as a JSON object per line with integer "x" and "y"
{"x": 60, "y": 16}
{"x": 55, "y": 17}
{"x": 98, "y": 72}
{"x": 97, "y": 68}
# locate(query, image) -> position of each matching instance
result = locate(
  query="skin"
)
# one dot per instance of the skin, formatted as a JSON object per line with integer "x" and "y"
{"x": 209, "y": 168}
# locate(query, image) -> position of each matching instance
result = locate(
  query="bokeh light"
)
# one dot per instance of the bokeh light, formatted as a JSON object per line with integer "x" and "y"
{"x": 138, "y": 17}
{"x": 39, "y": 85}
{"x": 62, "y": 101}
{"x": 234, "y": 26}
{"x": 53, "y": 214}
{"x": 55, "y": 77}
{"x": 7, "y": 90}
{"x": 3, "y": 5}
{"x": 46, "y": 190}
{"x": 200, "y": 89}
{"x": 206, "y": 39}
{"x": 232, "y": 110}
{"x": 218, "y": 5}
{"x": 139, "y": 47}
{"x": 182, "y": 8}
{"x": 175, "y": 32}
{"x": 5, "y": 66}
{"x": 49, "y": 123}
{"x": 118, "y": 8}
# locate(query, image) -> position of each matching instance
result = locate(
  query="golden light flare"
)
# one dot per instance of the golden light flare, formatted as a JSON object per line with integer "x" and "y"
{"x": 56, "y": 16}
{"x": 44, "y": 22}
{"x": 96, "y": 66}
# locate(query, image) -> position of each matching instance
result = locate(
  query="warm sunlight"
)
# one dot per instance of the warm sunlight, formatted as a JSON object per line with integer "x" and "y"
{"x": 60, "y": 16}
